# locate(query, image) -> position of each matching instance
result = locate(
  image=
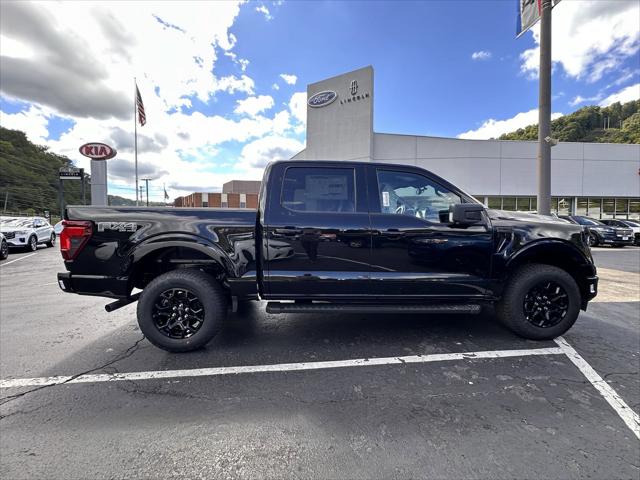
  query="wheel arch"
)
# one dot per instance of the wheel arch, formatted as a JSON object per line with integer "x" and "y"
{"x": 160, "y": 255}
{"x": 557, "y": 253}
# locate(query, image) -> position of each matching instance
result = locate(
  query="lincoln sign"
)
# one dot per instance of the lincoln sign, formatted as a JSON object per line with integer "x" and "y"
{"x": 97, "y": 151}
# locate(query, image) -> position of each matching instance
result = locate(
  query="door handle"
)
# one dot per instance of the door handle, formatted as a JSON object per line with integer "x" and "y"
{"x": 393, "y": 233}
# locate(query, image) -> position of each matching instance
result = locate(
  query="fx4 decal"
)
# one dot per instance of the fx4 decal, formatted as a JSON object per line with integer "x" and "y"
{"x": 117, "y": 226}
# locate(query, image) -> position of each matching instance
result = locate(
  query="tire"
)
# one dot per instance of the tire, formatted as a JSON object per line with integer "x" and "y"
{"x": 593, "y": 240}
{"x": 52, "y": 240}
{"x": 4, "y": 250}
{"x": 521, "y": 297}
{"x": 177, "y": 288}
{"x": 32, "y": 245}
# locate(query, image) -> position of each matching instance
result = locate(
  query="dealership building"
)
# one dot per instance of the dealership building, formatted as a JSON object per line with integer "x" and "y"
{"x": 596, "y": 179}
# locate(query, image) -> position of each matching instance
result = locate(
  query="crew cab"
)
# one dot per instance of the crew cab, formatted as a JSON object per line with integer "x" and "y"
{"x": 330, "y": 236}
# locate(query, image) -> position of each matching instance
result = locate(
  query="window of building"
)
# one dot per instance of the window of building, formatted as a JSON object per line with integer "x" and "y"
{"x": 315, "y": 189}
{"x": 564, "y": 206}
{"x": 243, "y": 205}
{"x": 634, "y": 208}
{"x": 205, "y": 204}
{"x": 495, "y": 203}
{"x": 523, "y": 204}
{"x": 406, "y": 193}
{"x": 225, "y": 205}
{"x": 582, "y": 207}
{"x": 534, "y": 204}
{"x": 595, "y": 207}
{"x": 608, "y": 207}
{"x": 509, "y": 203}
{"x": 622, "y": 205}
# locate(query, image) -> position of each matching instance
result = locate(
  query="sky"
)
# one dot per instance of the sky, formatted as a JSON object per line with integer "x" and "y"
{"x": 224, "y": 83}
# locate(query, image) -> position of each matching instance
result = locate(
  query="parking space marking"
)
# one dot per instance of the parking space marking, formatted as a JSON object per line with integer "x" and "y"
{"x": 281, "y": 367}
{"x": 17, "y": 259}
{"x": 628, "y": 416}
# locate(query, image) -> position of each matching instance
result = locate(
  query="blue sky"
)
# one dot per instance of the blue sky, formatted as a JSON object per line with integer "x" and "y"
{"x": 224, "y": 84}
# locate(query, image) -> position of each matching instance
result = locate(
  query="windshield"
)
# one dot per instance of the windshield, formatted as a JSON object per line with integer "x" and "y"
{"x": 631, "y": 223}
{"x": 587, "y": 221}
{"x": 19, "y": 222}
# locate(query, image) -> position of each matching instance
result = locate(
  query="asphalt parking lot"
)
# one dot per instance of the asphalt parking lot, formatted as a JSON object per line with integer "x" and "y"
{"x": 401, "y": 396}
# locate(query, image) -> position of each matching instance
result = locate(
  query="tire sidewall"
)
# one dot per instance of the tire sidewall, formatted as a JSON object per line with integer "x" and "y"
{"x": 33, "y": 243}
{"x": 208, "y": 294}
{"x": 52, "y": 240}
{"x": 515, "y": 299}
{"x": 4, "y": 250}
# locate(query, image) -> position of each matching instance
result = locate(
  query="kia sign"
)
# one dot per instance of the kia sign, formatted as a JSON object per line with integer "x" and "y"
{"x": 97, "y": 151}
{"x": 322, "y": 99}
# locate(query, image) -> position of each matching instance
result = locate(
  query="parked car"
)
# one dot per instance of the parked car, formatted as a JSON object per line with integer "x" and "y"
{"x": 433, "y": 250}
{"x": 4, "y": 247}
{"x": 28, "y": 232}
{"x": 633, "y": 225}
{"x": 602, "y": 234}
{"x": 57, "y": 228}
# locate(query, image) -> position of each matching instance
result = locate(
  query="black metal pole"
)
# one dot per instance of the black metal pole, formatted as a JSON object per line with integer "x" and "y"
{"x": 82, "y": 187}
{"x": 61, "y": 195}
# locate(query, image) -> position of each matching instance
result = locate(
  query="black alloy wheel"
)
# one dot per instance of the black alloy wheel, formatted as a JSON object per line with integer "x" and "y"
{"x": 178, "y": 313}
{"x": 546, "y": 304}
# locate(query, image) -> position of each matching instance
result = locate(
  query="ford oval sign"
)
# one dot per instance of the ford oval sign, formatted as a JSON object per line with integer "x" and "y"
{"x": 322, "y": 99}
{"x": 97, "y": 151}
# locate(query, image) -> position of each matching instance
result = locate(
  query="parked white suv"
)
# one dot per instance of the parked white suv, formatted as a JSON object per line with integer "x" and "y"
{"x": 28, "y": 232}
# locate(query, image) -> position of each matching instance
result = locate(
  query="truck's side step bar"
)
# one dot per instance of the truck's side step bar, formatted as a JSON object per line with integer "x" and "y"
{"x": 281, "y": 307}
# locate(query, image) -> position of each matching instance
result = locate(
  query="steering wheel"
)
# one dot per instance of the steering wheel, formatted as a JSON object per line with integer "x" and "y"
{"x": 400, "y": 210}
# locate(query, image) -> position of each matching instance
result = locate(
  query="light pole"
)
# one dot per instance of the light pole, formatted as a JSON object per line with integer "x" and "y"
{"x": 544, "y": 112}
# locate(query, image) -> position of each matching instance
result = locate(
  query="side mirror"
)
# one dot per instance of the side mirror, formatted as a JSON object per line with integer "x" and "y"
{"x": 467, "y": 214}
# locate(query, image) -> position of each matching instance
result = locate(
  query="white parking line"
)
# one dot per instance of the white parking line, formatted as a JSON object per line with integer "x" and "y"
{"x": 631, "y": 418}
{"x": 281, "y": 367}
{"x": 17, "y": 259}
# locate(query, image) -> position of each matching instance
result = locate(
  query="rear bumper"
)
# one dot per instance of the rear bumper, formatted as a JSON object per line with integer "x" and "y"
{"x": 95, "y": 285}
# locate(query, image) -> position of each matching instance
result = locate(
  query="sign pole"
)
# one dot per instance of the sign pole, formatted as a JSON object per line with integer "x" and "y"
{"x": 82, "y": 189}
{"x": 61, "y": 197}
{"x": 544, "y": 112}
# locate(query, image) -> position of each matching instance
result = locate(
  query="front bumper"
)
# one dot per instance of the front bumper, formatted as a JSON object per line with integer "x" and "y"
{"x": 17, "y": 241}
{"x": 95, "y": 285}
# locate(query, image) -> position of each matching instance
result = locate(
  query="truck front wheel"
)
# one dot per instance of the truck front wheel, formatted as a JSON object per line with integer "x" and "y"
{"x": 540, "y": 302}
{"x": 182, "y": 310}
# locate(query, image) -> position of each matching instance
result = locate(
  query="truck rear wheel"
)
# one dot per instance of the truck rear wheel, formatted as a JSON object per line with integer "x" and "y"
{"x": 540, "y": 302}
{"x": 182, "y": 310}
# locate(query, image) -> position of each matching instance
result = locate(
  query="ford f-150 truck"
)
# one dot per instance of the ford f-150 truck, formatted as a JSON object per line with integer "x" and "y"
{"x": 330, "y": 237}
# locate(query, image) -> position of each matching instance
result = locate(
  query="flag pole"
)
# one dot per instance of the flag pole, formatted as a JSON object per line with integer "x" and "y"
{"x": 135, "y": 132}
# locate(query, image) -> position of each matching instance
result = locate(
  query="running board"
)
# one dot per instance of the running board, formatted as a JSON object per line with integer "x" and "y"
{"x": 278, "y": 307}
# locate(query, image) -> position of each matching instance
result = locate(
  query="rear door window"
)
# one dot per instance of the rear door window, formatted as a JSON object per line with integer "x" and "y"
{"x": 318, "y": 189}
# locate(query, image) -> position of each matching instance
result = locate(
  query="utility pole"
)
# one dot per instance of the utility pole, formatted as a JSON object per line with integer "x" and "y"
{"x": 146, "y": 181}
{"x": 544, "y": 112}
{"x": 6, "y": 198}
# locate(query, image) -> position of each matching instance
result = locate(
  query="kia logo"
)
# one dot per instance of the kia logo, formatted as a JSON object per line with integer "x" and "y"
{"x": 98, "y": 151}
{"x": 322, "y": 99}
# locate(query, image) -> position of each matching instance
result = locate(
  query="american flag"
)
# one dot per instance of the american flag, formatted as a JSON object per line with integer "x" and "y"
{"x": 142, "y": 117}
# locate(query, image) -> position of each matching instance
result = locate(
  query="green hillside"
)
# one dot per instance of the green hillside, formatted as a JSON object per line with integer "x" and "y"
{"x": 588, "y": 125}
{"x": 29, "y": 177}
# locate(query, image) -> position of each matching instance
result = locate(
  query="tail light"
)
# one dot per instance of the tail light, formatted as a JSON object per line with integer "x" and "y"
{"x": 75, "y": 234}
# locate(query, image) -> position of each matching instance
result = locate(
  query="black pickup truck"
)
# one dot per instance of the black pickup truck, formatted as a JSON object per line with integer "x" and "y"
{"x": 330, "y": 237}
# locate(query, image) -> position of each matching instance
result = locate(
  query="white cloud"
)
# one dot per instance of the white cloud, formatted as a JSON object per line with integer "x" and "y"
{"x": 494, "y": 128}
{"x": 290, "y": 79}
{"x": 579, "y": 99}
{"x": 275, "y": 86}
{"x": 171, "y": 48}
{"x": 589, "y": 38}
{"x": 628, "y": 94}
{"x": 254, "y": 105}
{"x": 298, "y": 107}
{"x": 265, "y": 11}
{"x": 481, "y": 55}
{"x": 260, "y": 152}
